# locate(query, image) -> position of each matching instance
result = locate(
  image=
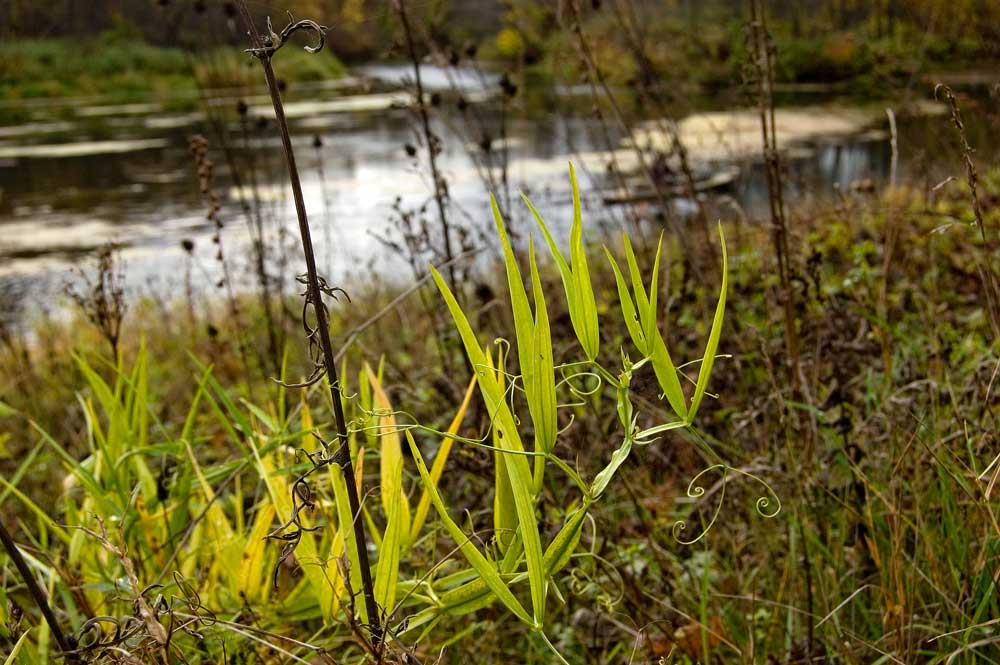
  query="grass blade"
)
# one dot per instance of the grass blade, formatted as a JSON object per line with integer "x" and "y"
{"x": 581, "y": 277}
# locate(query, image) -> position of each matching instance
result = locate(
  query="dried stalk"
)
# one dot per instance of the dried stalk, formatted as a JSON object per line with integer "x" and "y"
{"x": 987, "y": 276}
{"x": 433, "y": 144}
{"x": 264, "y": 49}
{"x": 36, "y": 591}
{"x": 763, "y": 70}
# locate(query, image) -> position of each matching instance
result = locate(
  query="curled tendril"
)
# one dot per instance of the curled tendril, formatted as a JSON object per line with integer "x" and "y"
{"x": 608, "y": 585}
{"x": 273, "y": 41}
{"x": 107, "y": 638}
{"x": 695, "y": 491}
{"x": 581, "y": 392}
{"x": 303, "y": 500}
{"x": 312, "y": 332}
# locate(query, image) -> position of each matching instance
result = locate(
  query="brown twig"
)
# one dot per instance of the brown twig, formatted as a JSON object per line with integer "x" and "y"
{"x": 36, "y": 592}
{"x": 264, "y": 49}
{"x": 986, "y": 274}
{"x": 762, "y": 64}
{"x": 433, "y": 143}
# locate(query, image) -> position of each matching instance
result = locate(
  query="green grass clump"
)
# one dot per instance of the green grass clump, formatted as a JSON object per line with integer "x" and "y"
{"x": 124, "y": 69}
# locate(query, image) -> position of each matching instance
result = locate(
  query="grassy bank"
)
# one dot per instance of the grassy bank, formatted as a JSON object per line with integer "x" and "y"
{"x": 120, "y": 68}
{"x": 672, "y": 55}
{"x": 883, "y": 550}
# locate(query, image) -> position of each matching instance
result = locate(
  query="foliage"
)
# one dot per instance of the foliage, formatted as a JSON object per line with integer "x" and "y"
{"x": 894, "y": 522}
{"x": 157, "y": 526}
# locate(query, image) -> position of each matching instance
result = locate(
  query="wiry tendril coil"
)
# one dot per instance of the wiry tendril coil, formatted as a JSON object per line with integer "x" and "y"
{"x": 272, "y": 41}
{"x": 696, "y": 491}
{"x": 108, "y": 638}
{"x": 311, "y": 331}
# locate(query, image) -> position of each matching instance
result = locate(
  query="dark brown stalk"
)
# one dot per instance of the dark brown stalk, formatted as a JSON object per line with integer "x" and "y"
{"x": 648, "y": 92}
{"x": 264, "y": 50}
{"x": 432, "y": 141}
{"x": 36, "y": 592}
{"x": 986, "y": 274}
{"x": 598, "y": 81}
{"x": 763, "y": 70}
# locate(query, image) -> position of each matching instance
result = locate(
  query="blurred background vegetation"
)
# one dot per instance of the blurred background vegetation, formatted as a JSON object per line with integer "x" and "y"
{"x": 101, "y": 46}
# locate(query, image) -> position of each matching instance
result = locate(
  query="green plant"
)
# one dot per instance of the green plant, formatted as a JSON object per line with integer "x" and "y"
{"x": 519, "y": 489}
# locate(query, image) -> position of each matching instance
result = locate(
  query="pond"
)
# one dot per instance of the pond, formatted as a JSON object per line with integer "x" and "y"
{"x": 94, "y": 173}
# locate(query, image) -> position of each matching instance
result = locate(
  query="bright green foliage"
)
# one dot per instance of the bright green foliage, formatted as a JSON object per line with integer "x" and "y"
{"x": 487, "y": 573}
{"x": 534, "y": 347}
{"x": 575, "y": 277}
{"x": 216, "y": 521}
{"x": 641, "y": 320}
{"x": 515, "y": 496}
{"x": 510, "y": 441}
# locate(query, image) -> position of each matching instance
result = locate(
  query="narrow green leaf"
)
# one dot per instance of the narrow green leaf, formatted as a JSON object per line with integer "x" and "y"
{"x": 486, "y": 570}
{"x": 517, "y": 465}
{"x": 642, "y": 436}
{"x": 654, "y": 292}
{"x": 13, "y": 656}
{"x": 656, "y": 348}
{"x": 523, "y": 328}
{"x": 534, "y": 346}
{"x": 260, "y": 414}
{"x": 345, "y": 524}
{"x": 394, "y": 500}
{"x": 440, "y": 458}
{"x": 504, "y": 508}
{"x": 559, "y": 551}
{"x": 713, "y": 338}
{"x": 542, "y": 401}
{"x": 581, "y": 277}
{"x": 569, "y": 285}
{"x": 618, "y": 457}
{"x": 666, "y": 375}
{"x": 632, "y": 322}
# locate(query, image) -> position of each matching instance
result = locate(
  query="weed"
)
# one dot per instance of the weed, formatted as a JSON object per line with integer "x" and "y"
{"x": 102, "y": 298}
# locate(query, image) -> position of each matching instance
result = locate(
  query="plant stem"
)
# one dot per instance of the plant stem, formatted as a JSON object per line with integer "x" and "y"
{"x": 432, "y": 144}
{"x": 36, "y": 591}
{"x": 315, "y": 297}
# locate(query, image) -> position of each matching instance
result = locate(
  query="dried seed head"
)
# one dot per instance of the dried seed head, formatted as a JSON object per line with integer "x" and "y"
{"x": 509, "y": 87}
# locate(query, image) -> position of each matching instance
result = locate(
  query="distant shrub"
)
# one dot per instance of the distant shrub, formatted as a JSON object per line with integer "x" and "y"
{"x": 836, "y": 58}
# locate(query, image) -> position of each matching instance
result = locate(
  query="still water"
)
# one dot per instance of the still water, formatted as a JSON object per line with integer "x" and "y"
{"x": 95, "y": 173}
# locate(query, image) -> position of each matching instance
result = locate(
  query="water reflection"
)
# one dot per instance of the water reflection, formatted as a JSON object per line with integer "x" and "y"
{"x": 57, "y": 207}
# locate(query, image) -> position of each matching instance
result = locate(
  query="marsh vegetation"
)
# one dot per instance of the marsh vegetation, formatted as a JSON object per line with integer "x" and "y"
{"x": 500, "y": 354}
